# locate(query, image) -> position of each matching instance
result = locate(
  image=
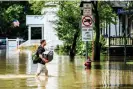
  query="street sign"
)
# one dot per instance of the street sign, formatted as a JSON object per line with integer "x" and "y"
{"x": 87, "y": 21}
{"x": 121, "y": 11}
{"x": 87, "y": 34}
{"x": 87, "y": 12}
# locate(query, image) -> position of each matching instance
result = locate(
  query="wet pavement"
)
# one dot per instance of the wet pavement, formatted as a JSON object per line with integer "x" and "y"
{"x": 17, "y": 72}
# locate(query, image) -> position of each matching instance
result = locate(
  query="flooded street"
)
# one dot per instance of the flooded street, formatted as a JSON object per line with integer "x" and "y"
{"x": 17, "y": 72}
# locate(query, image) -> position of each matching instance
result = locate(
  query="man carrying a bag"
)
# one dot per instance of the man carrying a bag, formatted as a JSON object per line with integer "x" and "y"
{"x": 41, "y": 61}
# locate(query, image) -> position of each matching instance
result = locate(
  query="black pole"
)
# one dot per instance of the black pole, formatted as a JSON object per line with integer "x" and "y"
{"x": 109, "y": 39}
{"x": 124, "y": 30}
{"x": 106, "y": 28}
{"x": 119, "y": 25}
{"x": 125, "y": 44}
{"x": 116, "y": 26}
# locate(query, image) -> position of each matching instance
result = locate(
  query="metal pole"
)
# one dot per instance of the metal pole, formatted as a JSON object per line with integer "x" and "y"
{"x": 109, "y": 40}
{"x": 125, "y": 42}
{"x": 86, "y": 50}
{"x": 125, "y": 52}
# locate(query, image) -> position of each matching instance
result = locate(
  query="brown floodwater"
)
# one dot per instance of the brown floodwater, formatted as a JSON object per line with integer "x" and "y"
{"x": 17, "y": 72}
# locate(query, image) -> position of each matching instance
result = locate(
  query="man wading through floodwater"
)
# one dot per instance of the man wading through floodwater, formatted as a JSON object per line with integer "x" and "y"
{"x": 42, "y": 61}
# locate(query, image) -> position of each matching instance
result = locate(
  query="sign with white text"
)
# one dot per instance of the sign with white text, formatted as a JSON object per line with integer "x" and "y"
{"x": 87, "y": 34}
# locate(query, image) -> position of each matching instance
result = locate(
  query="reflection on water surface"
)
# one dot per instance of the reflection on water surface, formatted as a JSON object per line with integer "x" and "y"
{"x": 17, "y": 72}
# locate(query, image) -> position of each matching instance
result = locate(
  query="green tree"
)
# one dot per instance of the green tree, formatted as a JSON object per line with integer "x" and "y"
{"x": 68, "y": 25}
{"x": 17, "y": 10}
{"x": 102, "y": 12}
{"x": 37, "y": 6}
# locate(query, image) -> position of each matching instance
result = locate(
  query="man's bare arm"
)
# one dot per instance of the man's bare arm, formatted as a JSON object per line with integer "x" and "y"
{"x": 40, "y": 56}
{"x": 43, "y": 58}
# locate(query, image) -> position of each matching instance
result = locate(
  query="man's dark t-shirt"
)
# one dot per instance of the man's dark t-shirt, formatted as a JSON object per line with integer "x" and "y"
{"x": 40, "y": 50}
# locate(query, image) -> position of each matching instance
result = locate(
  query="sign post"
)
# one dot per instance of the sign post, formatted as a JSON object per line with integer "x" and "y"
{"x": 87, "y": 24}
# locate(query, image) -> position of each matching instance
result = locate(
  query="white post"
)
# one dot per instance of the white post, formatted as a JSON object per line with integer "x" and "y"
{"x": 7, "y": 48}
{"x": 42, "y": 32}
{"x": 17, "y": 42}
{"x": 6, "y": 43}
{"x": 29, "y": 34}
{"x": 29, "y": 63}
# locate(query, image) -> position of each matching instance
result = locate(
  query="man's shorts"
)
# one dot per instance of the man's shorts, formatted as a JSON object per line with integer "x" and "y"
{"x": 41, "y": 68}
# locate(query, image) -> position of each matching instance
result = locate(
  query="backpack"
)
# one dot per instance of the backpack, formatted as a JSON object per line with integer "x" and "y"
{"x": 35, "y": 58}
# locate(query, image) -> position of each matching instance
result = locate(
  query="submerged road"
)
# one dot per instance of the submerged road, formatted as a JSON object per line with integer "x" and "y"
{"x": 17, "y": 72}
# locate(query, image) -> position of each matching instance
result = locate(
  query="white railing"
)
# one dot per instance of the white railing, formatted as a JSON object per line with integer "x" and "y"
{"x": 119, "y": 41}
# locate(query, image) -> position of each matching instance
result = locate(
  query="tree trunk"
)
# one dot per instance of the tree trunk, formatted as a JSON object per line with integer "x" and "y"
{"x": 129, "y": 25}
{"x": 96, "y": 43}
{"x": 115, "y": 26}
{"x": 73, "y": 47}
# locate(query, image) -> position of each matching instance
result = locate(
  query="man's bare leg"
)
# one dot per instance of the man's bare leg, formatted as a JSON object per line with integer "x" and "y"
{"x": 39, "y": 70}
{"x": 46, "y": 73}
{"x": 37, "y": 74}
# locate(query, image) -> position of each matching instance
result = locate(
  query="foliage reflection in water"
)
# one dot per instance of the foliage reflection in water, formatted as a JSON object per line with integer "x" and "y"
{"x": 17, "y": 72}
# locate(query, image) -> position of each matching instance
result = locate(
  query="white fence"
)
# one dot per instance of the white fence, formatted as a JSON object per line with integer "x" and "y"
{"x": 12, "y": 44}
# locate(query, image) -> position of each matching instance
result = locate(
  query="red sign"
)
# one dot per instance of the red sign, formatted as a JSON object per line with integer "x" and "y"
{"x": 87, "y": 21}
